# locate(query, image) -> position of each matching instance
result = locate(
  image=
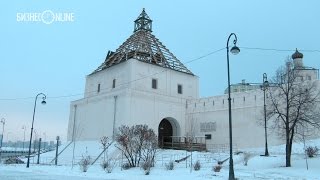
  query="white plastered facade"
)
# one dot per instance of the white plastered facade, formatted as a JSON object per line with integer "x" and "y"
{"x": 133, "y": 101}
{"x": 101, "y": 113}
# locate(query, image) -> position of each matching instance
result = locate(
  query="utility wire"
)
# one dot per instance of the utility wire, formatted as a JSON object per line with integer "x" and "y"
{"x": 196, "y": 59}
{"x": 285, "y": 50}
{"x": 125, "y": 83}
{"x": 190, "y": 61}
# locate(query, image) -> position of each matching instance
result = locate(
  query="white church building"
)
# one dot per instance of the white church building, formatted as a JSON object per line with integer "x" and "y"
{"x": 142, "y": 82}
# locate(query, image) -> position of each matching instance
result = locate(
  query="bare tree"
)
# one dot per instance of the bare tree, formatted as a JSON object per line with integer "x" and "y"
{"x": 149, "y": 147}
{"x": 137, "y": 142}
{"x": 293, "y": 104}
{"x": 104, "y": 140}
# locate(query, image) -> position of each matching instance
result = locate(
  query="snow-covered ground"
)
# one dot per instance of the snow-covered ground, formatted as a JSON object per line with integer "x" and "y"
{"x": 258, "y": 167}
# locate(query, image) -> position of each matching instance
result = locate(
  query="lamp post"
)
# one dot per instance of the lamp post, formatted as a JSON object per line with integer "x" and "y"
{"x": 234, "y": 50}
{"x": 3, "y": 121}
{"x": 24, "y": 136}
{"x": 56, "y": 160}
{"x": 264, "y": 87}
{"x": 39, "y": 145}
{"x": 35, "y": 140}
{"x": 34, "y": 111}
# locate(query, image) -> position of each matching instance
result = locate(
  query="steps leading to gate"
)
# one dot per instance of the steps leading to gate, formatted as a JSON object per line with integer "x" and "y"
{"x": 184, "y": 146}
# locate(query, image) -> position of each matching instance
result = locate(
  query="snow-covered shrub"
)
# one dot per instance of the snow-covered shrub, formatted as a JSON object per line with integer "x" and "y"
{"x": 104, "y": 165}
{"x": 126, "y": 166}
{"x": 137, "y": 143}
{"x": 146, "y": 166}
{"x": 217, "y": 168}
{"x": 312, "y": 151}
{"x": 13, "y": 160}
{"x": 197, "y": 166}
{"x": 104, "y": 141}
{"x": 85, "y": 163}
{"x": 246, "y": 157}
{"x": 108, "y": 165}
{"x": 169, "y": 166}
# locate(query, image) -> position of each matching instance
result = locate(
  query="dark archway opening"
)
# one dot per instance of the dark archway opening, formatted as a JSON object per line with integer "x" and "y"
{"x": 165, "y": 132}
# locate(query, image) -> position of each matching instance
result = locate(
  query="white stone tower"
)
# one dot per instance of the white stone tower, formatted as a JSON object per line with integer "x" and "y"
{"x": 142, "y": 82}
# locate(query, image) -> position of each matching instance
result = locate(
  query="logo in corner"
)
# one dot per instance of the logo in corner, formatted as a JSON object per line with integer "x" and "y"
{"x": 47, "y": 16}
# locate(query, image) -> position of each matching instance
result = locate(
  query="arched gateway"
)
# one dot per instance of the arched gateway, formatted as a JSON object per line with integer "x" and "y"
{"x": 168, "y": 128}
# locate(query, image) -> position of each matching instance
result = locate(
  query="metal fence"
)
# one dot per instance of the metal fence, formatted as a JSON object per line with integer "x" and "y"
{"x": 216, "y": 152}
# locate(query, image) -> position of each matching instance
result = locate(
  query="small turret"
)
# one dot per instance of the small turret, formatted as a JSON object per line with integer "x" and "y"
{"x": 297, "y": 59}
{"x": 143, "y": 22}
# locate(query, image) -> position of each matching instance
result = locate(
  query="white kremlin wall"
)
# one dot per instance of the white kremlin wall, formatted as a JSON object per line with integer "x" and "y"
{"x": 211, "y": 116}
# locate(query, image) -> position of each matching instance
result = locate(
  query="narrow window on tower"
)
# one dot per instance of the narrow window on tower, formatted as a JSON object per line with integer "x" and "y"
{"x": 98, "y": 88}
{"x": 154, "y": 84}
{"x": 179, "y": 89}
{"x": 114, "y": 83}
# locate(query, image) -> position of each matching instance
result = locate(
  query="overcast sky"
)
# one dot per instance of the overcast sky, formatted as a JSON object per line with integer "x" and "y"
{"x": 55, "y": 58}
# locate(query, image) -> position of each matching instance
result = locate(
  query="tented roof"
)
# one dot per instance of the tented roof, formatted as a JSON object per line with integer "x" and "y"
{"x": 143, "y": 46}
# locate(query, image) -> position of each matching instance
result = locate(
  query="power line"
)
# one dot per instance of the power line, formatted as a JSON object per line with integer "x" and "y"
{"x": 125, "y": 83}
{"x": 187, "y": 62}
{"x": 196, "y": 59}
{"x": 283, "y": 50}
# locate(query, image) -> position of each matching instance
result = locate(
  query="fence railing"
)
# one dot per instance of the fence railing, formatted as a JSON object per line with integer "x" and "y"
{"x": 183, "y": 143}
{"x": 207, "y": 160}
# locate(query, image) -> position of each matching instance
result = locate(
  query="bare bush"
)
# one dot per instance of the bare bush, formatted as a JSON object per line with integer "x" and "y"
{"x": 85, "y": 163}
{"x": 146, "y": 166}
{"x": 108, "y": 165}
{"x": 246, "y": 157}
{"x": 104, "y": 140}
{"x": 137, "y": 143}
{"x": 125, "y": 166}
{"x": 217, "y": 168}
{"x": 197, "y": 166}
{"x": 312, "y": 151}
{"x": 104, "y": 165}
{"x": 169, "y": 166}
{"x": 13, "y": 160}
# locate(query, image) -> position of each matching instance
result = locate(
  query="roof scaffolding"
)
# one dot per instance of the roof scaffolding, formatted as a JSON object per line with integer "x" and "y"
{"x": 143, "y": 46}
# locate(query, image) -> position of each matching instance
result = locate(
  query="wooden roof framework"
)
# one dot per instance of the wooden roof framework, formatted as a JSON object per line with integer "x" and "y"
{"x": 143, "y": 46}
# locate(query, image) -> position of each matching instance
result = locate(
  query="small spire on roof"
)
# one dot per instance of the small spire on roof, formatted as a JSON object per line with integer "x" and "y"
{"x": 143, "y": 22}
{"x": 297, "y": 54}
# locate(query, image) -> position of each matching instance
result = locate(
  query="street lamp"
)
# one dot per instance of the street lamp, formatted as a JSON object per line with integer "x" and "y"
{"x": 35, "y": 140}
{"x": 3, "y": 121}
{"x": 34, "y": 111}
{"x": 56, "y": 160}
{"x": 24, "y": 136}
{"x": 264, "y": 87}
{"x": 234, "y": 50}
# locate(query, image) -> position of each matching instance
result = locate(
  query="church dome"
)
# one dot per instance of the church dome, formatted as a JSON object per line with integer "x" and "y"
{"x": 297, "y": 54}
